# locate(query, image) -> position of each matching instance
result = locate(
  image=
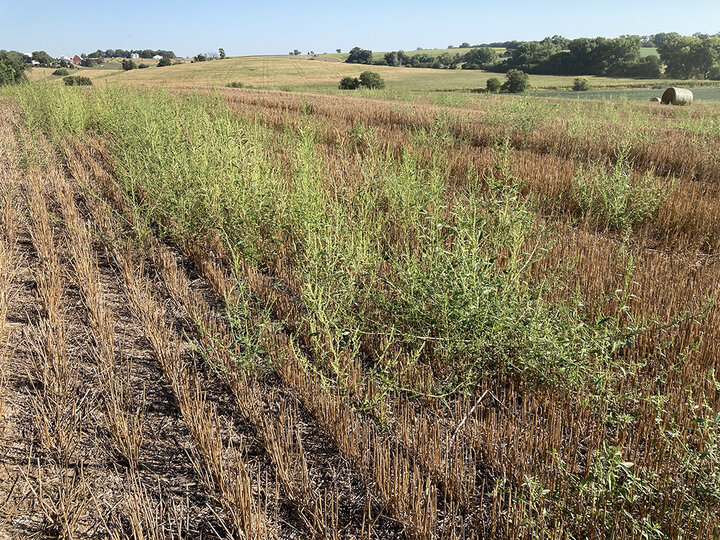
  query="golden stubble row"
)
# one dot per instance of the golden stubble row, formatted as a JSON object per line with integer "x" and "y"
{"x": 60, "y": 405}
{"x": 219, "y": 464}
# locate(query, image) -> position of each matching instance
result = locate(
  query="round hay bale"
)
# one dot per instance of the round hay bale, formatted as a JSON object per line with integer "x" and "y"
{"x": 677, "y": 96}
{"x": 655, "y": 99}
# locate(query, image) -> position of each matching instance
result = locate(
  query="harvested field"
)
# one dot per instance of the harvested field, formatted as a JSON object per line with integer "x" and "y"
{"x": 256, "y": 314}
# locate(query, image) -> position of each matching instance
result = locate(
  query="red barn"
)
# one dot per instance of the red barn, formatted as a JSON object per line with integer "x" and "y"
{"x": 76, "y": 59}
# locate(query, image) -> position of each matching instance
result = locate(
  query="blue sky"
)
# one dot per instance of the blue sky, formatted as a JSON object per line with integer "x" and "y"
{"x": 276, "y": 27}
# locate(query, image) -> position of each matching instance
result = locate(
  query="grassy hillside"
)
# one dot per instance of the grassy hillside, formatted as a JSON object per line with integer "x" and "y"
{"x": 304, "y": 74}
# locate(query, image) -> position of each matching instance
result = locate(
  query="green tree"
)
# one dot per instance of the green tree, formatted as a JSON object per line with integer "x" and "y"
{"x": 680, "y": 55}
{"x": 128, "y": 64}
{"x": 221, "y": 52}
{"x": 480, "y": 58}
{"x": 371, "y": 80}
{"x": 164, "y": 61}
{"x": 349, "y": 83}
{"x": 493, "y": 85}
{"x": 359, "y": 56}
{"x": 517, "y": 81}
{"x": 43, "y": 58}
{"x": 530, "y": 55}
{"x": 200, "y": 58}
{"x": 12, "y": 67}
{"x": 397, "y": 58}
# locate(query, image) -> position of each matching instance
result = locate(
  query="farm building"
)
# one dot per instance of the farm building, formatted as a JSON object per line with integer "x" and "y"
{"x": 76, "y": 59}
{"x": 157, "y": 57}
{"x": 66, "y": 58}
{"x": 134, "y": 55}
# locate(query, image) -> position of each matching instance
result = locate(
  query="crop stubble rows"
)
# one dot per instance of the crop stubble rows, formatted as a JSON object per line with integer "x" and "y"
{"x": 483, "y": 462}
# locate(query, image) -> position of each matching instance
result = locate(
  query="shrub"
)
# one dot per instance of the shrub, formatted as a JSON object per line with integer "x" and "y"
{"x": 581, "y": 84}
{"x": 77, "y": 81}
{"x": 127, "y": 65}
{"x": 517, "y": 81}
{"x": 235, "y": 85}
{"x": 200, "y": 58}
{"x": 143, "y": 66}
{"x": 349, "y": 83}
{"x": 714, "y": 73}
{"x": 371, "y": 80}
{"x": 164, "y": 61}
{"x": 613, "y": 199}
{"x": 493, "y": 85}
{"x": 62, "y": 72}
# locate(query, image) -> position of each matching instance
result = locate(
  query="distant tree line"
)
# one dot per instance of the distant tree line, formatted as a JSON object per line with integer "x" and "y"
{"x": 122, "y": 53}
{"x": 696, "y": 56}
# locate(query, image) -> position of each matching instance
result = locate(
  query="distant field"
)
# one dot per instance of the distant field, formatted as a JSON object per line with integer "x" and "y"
{"x": 634, "y": 94}
{"x": 648, "y": 51}
{"x": 302, "y": 74}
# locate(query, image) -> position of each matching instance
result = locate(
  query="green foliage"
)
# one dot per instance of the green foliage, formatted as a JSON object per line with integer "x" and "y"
{"x": 128, "y": 64}
{"x": 517, "y": 82}
{"x": 580, "y": 84}
{"x": 142, "y": 65}
{"x": 164, "y": 61}
{"x": 122, "y": 53}
{"x": 349, "y": 83}
{"x": 221, "y": 53}
{"x": 200, "y": 58}
{"x": 689, "y": 56}
{"x": 371, "y": 80}
{"x": 236, "y": 84}
{"x": 397, "y": 59}
{"x": 43, "y": 58}
{"x": 77, "y": 81}
{"x": 91, "y": 62}
{"x": 462, "y": 297}
{"x": 12, "y": 67}
{"x": 493, "y": 85}
{"x": 61, "y": 72}
{"x": 611, "y": 488}
{"x": 481, "y": 58}
{"x": 359, "y": 56}
{"x": 533, "y": 55}
{"x": 612, "y": 198}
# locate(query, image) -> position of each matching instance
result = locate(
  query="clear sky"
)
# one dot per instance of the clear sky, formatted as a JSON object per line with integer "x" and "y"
{"x": 276, "y": 27}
